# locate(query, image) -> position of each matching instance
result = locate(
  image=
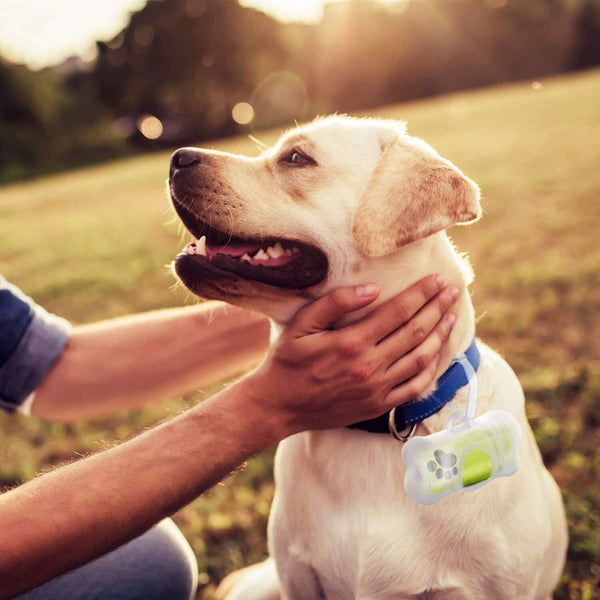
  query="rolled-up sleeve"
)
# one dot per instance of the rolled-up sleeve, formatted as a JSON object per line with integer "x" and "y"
{"x": 31, "y": 341}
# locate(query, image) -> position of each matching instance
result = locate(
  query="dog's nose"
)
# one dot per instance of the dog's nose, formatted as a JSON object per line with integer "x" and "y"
{"x": 184, "y": 157}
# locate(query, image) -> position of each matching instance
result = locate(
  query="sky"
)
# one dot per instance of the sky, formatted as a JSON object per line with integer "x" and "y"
{"x": 45, "y": 32}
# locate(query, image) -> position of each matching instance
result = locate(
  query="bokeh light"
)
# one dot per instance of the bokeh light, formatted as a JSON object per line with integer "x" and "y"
{"x": 279, "y": 98}
{"x": 150, "y": 127}
{"x": 242, "y": 113}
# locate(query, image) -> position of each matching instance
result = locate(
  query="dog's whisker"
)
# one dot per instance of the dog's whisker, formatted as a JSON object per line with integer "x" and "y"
{"x": 260, "y": 144}
{"x": 231, "y": 223}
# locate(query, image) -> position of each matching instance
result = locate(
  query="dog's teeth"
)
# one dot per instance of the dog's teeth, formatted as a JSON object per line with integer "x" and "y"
{"x": 245, "y": 257}
{"x": 261, "y": 255}
{"x": 273, "y": 252}
{"x": 190, "y": 249}
{"x": 201, "y": 246}
{"x": 295, "y": 250}
{"x": 287, "y": 252}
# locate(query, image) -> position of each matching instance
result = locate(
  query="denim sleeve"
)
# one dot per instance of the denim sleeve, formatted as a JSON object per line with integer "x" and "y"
{"x": 31, "y": 340}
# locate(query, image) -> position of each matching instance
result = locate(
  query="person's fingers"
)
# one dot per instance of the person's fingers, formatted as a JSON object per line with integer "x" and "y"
{"x": 419, "y": 358}
{"x": 413, "y": 388}
{"x": 418, "y": 329}
{"x": 326, "y": 310}
{"x": 398, "y": 310}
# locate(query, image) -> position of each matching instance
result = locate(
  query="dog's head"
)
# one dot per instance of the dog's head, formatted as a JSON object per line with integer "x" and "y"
{"x": 307, "y": 215}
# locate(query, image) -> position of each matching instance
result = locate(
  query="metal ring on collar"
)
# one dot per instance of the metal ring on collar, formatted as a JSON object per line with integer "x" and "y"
{"x": 394, "y": 431}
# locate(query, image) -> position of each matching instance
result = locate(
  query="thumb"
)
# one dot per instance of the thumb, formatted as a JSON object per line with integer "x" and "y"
{"x": 325, "y": 311}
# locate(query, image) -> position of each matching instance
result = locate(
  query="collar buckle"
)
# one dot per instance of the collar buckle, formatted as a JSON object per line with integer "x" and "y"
{"x": 394, "y": 430}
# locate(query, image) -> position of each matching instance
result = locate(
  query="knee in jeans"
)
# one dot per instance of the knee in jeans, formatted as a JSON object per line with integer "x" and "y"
{"x": 176, "y": 573}
{"x": 158, "y": 565}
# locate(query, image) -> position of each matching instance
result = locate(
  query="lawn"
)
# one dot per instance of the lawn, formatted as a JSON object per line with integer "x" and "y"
{"x": 94, "y": 243}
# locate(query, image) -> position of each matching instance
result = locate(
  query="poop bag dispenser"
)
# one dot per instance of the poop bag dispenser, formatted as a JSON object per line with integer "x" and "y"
{"x": 467, "y": 454}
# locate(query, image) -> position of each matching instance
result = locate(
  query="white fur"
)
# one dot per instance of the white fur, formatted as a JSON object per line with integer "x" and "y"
{"x": 341, "y": 524}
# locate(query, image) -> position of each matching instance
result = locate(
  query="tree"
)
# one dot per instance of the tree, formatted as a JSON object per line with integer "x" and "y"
{"x": 188, "y": 62}
{"x": 587, "y": 46}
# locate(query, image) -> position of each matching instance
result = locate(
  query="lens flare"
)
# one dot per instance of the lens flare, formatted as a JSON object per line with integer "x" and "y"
{"x": 242, "y": 113}
{"x": 281, "y": 97}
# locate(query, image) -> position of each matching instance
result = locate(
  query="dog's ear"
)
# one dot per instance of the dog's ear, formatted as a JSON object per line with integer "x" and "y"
{"x": 412, "y": 193}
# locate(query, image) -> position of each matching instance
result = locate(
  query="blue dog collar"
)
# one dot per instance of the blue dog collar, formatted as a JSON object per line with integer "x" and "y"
{"x": 415, "y": 411}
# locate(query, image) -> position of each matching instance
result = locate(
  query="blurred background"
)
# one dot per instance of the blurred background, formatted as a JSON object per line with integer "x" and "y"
{"x": 95, "y": 95}
{"x": 179, "y": 71}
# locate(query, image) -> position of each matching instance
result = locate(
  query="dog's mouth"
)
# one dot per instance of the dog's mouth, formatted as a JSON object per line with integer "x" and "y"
{"x": 279, "y": 262}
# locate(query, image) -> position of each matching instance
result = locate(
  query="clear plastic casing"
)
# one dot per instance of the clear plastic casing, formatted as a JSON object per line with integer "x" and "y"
{"x": 462, "y": 459}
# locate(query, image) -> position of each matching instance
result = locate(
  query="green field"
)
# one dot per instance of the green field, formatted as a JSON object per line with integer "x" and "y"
{"x": 94, "y": 243}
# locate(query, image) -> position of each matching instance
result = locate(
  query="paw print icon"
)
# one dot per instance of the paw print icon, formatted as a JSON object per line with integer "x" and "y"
{"x": 443, "y": 464}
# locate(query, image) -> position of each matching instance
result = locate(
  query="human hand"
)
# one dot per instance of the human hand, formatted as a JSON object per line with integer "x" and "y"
{"x": 317, "y": 378}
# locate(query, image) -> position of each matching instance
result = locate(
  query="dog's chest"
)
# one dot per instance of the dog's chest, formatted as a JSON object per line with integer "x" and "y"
{"x": 351, "y": 518}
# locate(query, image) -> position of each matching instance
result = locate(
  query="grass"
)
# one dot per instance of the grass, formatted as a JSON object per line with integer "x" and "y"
{"x": 94, "y": 243}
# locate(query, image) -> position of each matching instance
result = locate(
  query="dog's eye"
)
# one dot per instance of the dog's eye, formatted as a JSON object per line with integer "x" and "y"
{"x": 297, "y": 158}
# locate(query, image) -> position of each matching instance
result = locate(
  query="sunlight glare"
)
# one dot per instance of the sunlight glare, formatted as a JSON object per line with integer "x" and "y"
{"x": 309, "y": 11}
{"x": 41, "y": 33}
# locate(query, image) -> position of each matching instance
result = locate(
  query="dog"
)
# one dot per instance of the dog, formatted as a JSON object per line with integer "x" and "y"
{"x": 338, "y": 202}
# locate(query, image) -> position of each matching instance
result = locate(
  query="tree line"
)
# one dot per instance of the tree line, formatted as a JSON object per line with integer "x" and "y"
{"x": 187, "y": 63}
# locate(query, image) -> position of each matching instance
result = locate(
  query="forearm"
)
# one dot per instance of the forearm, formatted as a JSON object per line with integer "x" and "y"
{"x": 127, "y": 362}
{"x": 67, "y": 517}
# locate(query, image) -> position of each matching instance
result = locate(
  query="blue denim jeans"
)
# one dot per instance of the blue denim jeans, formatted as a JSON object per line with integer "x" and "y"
{"x": 158, "y": 565}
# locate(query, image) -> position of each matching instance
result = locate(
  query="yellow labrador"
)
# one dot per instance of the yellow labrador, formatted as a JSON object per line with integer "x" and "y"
{"x": 339, "y": 202}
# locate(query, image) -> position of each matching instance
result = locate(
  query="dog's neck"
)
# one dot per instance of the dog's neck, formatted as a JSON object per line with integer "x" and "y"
{"x": 396, "y": 272}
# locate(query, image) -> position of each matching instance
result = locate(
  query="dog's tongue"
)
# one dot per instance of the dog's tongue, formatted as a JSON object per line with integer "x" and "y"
{"x": 233, "y": 249}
